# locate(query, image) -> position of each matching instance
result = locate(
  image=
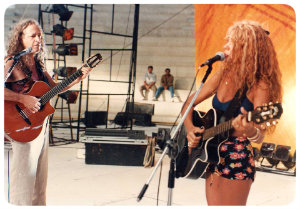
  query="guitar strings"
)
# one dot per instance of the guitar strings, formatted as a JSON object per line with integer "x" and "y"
{"x": 59, "y": 87}
{"x": 220, "y": 128}
{"x": 51, "y": 93}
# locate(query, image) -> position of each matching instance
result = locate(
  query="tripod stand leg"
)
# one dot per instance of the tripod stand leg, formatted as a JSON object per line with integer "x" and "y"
{"x": 171, "y": 181}
{"x": 141, "y": 194}
{"x": 170, "y": 146}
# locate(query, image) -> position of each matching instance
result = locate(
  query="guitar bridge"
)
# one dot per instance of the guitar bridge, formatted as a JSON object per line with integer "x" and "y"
{"x": 23, "y": 115}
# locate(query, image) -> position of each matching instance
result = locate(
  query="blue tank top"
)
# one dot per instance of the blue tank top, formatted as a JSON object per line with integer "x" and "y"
{"x": 246, "y": 103}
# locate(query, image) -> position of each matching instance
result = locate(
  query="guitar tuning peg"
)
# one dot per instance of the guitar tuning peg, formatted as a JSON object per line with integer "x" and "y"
{"x": 271, "y": 116}
{"x": 271, "y": 107}
{"x": 257, "y": 120}
{"x": 265, "y": 108}
{"x": 264, "y": 117}
{"x": 274, "y": 122}
{"x": 271, "y": 103}
{"x": 262, "y": 126}
{"x": 268, "y": 124}
{"x": 259, "y": 109}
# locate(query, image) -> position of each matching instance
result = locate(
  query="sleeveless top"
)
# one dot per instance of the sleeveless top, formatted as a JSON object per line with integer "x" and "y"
{"x": 246, "y": 103}
{"x": 22, "y": 86}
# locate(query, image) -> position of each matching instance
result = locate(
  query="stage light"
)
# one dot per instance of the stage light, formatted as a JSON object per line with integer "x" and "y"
{"x": 294, "y": 157}
{"x": 272, "y": 161}
{"x": 282, "y": 152}
{"x": 65, "y": 71}
{"x": 267, "y": 150}
{"x": 70, "y": 49}
{"x": 256, "y": 154}
{"x": 58, "y": 29}
{"x": 62, "y": 11}
{"x": 290, "y": 163}
{"x": 69, "y": 96}
{"x": 66, "y": 33}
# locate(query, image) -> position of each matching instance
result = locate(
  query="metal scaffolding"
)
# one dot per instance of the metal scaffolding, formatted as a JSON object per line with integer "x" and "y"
{"x": 88, "y": 34}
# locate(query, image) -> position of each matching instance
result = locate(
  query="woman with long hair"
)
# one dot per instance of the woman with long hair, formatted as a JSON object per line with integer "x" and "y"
{"x": 28, "y": 172}
{"x": 250, "y": 61}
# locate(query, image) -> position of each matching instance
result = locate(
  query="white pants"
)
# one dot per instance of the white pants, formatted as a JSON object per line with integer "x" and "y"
{"x": 29, "y": 170}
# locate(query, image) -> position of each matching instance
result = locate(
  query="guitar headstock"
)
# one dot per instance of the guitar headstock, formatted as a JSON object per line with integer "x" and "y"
{"x": 268, "y": 114}
{"x": 94, "y": 60}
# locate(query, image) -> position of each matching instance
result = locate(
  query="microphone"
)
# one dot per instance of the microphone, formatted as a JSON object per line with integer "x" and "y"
{"x": 20, "y": 54}
{"x": 220, "y": 56}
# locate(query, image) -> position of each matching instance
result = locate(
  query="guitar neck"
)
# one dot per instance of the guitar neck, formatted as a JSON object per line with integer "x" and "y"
{"x": 223, "y": 127}
{"x": 220, "y": 128}
{"x": 59, "y": 87}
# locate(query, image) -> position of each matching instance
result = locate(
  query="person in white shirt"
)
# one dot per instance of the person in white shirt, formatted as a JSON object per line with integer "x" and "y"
{"x": 149, "y": 82}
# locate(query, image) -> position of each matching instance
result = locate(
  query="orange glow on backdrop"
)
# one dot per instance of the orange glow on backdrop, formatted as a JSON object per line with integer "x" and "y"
{"x": 211, "y": 24}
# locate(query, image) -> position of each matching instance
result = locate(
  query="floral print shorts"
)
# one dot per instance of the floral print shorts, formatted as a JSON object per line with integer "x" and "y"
{"x": 236, "y": 160}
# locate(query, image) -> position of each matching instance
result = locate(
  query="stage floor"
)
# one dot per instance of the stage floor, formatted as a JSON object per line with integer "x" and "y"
{"x": 72, "y": 182}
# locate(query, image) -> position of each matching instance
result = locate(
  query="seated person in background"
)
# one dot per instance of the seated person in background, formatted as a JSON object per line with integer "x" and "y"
{"x": 166, "y": 84}
{"x": 149, "y": 82}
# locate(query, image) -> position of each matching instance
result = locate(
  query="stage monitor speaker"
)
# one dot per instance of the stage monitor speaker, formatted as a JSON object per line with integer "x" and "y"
{"x": 113, "y": 153}
{"x": 121, "y": 119}
{"x": 140, "y": 108}
{"x": 142, "y": 119}
{"x": 94, "y": 118}
{"x": 139, "y": 119}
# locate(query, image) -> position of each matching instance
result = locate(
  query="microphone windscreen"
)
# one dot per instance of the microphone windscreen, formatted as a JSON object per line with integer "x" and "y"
{"x": 222, "y": 55}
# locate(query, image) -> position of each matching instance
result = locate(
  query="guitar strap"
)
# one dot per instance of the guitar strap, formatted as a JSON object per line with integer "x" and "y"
{"x": 40, "y": 71}
{"x": 235, "y": 104}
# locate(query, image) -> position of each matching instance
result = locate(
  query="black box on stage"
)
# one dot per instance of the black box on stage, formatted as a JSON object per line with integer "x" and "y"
{"x": 114, "y": 150}
{"x": 92, "y": 119}
{"x": 140, "y": 119}
{"x": 112, "y": 153}
{"x": 140, "y": 108}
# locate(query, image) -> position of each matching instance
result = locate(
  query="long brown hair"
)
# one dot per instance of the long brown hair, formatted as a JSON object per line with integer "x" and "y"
{"x": 253, "y": 58}
{"x": 15, "y": 44}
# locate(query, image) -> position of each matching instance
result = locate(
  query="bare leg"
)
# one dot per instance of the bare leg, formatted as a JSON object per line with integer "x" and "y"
{"x": 226, "y": 192}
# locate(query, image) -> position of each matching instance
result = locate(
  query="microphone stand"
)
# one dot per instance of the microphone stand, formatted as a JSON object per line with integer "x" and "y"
{"x": 16, "y": 59}
{"x": 172, "y": 149}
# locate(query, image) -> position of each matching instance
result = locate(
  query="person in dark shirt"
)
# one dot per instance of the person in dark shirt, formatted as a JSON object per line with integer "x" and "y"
{"x": 166, "y": 84}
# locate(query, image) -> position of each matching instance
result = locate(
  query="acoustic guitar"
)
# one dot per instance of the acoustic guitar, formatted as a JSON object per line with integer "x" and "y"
{"x": 21, "y": 124}
{"x": 194, "y": 165}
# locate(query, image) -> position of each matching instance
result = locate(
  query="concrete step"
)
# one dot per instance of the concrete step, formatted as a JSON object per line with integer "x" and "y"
{"x": 164, "y": 109}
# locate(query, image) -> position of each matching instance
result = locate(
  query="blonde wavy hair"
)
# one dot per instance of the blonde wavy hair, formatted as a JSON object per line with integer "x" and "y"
{"x": 253, "y": 58}
{"x": 15, "y": 44}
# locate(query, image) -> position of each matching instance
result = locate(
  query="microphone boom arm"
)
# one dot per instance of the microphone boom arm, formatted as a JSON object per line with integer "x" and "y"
{"x": 16, "y": 58}
{"x": 10, "y": 69}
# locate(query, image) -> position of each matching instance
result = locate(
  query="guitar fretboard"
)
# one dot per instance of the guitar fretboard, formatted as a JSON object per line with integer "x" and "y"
{"x": 59, "y": 87}
{"x": 220, "y": 128}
